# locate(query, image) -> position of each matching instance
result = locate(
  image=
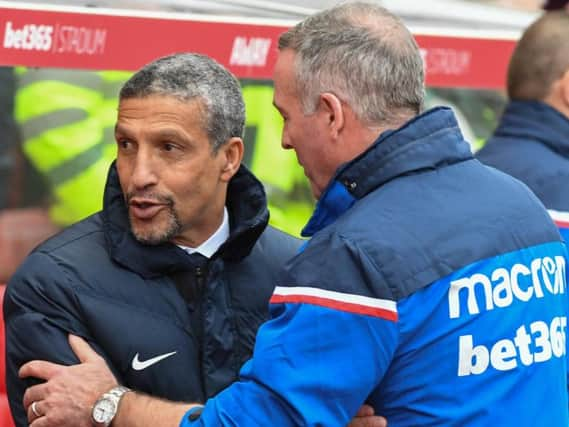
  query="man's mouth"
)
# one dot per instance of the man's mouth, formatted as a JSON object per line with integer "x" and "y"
{"x": 145, "y": 209}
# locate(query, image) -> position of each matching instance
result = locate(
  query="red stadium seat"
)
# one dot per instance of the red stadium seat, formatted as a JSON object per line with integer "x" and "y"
{"x": 5, "y": 415}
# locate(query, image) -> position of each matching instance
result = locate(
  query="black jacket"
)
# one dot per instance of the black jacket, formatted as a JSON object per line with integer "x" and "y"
{"x": 170, "y": 324}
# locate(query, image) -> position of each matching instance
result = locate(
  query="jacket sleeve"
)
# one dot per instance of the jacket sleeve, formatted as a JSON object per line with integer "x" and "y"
{"x": 39, "y": 313}
{"x": 328, "y": 344}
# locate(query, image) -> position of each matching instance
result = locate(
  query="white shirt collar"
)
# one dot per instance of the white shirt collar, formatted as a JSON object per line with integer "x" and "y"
{"x": 211, "y": 245}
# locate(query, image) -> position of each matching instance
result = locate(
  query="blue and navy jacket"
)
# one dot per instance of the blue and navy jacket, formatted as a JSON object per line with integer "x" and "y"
{"x": 531, "y": 143}
{"x": 433, "y": 287}
{"x": 170, "y": 324}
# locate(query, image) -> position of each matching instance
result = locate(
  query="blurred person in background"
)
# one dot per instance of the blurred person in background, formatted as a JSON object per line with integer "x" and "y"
{"x": 68, "y": 136}
{"x": 57, "y": 149}
{"x": 8, "y": 137}
{"x": 531, "y": 142}
{"x": 24, "y": 221}
{"x": 433, "y": 287}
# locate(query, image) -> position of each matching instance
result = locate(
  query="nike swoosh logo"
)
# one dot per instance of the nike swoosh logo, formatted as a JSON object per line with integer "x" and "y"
{"x": 139, "y": 365}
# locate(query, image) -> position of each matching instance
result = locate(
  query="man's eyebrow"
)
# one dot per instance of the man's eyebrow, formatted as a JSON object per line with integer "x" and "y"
{"x": 161, "y": 133}
{"x": 169, "y": 133}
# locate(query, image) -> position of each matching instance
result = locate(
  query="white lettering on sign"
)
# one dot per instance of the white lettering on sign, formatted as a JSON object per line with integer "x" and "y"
{"x": 250, "y": 52}
{"x": 446, "y": 61}
{"x": 58, "y": 39}
{"x": 80, "y": 40}
{"x": 28, "y": 37}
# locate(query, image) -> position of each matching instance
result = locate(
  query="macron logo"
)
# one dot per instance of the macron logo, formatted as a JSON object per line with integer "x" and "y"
{"x": 505, "y": 285}
{"x": 139, "y": 365}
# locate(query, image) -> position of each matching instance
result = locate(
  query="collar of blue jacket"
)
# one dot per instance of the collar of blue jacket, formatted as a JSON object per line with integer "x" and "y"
{"x": 537, "y": 121}
{"x": 428, "y": 141}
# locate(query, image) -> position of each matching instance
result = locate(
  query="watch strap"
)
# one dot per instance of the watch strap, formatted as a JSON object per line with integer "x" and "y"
{"x": 118, "y": 391}
{"x": 115, "y": 395}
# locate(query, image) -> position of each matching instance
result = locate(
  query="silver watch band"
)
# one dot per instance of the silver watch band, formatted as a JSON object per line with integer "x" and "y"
{"x": 118, "y": 391}
{"x": 106, "y": 407}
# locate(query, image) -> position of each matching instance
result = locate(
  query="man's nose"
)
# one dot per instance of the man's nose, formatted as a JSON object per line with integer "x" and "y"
{"x": 144, "y": 173}
{"x": 285, "y": 142}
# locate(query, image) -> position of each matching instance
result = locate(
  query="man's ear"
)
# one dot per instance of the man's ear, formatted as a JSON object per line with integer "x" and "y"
{"x": 333, "y": 110}
{"x": 558, "y": 96}
{"x": 231, "y": 156}
{"x": 565, "y": 91}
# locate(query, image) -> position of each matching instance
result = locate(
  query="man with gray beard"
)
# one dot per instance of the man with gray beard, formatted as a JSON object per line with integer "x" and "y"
{"x": 170, "y": 281}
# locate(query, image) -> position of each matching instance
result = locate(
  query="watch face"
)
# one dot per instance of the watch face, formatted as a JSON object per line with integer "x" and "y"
{"x": 104, "y": 410}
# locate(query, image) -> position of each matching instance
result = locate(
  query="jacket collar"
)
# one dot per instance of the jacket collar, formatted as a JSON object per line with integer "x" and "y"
{"x": 429, "y": 141}
{"x": 537, "y": 121}
{"x": 248, "y": 217}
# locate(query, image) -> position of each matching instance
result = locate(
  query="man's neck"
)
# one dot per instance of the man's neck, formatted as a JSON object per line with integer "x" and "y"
{"x": 214, "y": 241}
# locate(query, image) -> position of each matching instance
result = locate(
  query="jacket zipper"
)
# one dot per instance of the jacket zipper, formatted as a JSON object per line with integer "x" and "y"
{"x": 200, "y": 276}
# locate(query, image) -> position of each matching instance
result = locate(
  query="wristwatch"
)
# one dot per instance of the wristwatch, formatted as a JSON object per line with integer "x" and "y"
{"x": 106, "y": 407}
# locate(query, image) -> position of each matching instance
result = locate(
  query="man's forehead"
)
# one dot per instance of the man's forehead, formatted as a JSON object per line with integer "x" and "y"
{"x": 164, "y": 102}
{"x": 161, "y": 104}
{"x": 164, "y": 115}
{"x": 283, "y": 75}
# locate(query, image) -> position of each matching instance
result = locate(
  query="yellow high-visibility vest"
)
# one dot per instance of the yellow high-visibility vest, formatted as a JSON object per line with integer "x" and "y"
{"x": 67, "y": 122}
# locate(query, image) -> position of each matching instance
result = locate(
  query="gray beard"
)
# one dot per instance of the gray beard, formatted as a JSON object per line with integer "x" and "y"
{"x": 157, "y": 238}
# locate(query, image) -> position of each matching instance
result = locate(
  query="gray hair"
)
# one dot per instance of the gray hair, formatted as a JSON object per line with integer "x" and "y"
{"x": 540, "y": 58}
{"x": 189, "y": 76}
{"x": 364, "y": 55}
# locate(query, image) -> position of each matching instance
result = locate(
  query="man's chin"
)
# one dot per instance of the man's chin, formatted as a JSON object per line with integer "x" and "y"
{"x": 316, "y": 192}
{"x": 148, "y": 239}
{"x": 149, "y": 234}
{"x": 155, "y": 231}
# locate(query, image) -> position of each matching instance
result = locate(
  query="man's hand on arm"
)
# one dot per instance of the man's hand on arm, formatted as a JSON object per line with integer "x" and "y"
{"x": 366, "y": 418}
{"x": 67, "y": 397}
